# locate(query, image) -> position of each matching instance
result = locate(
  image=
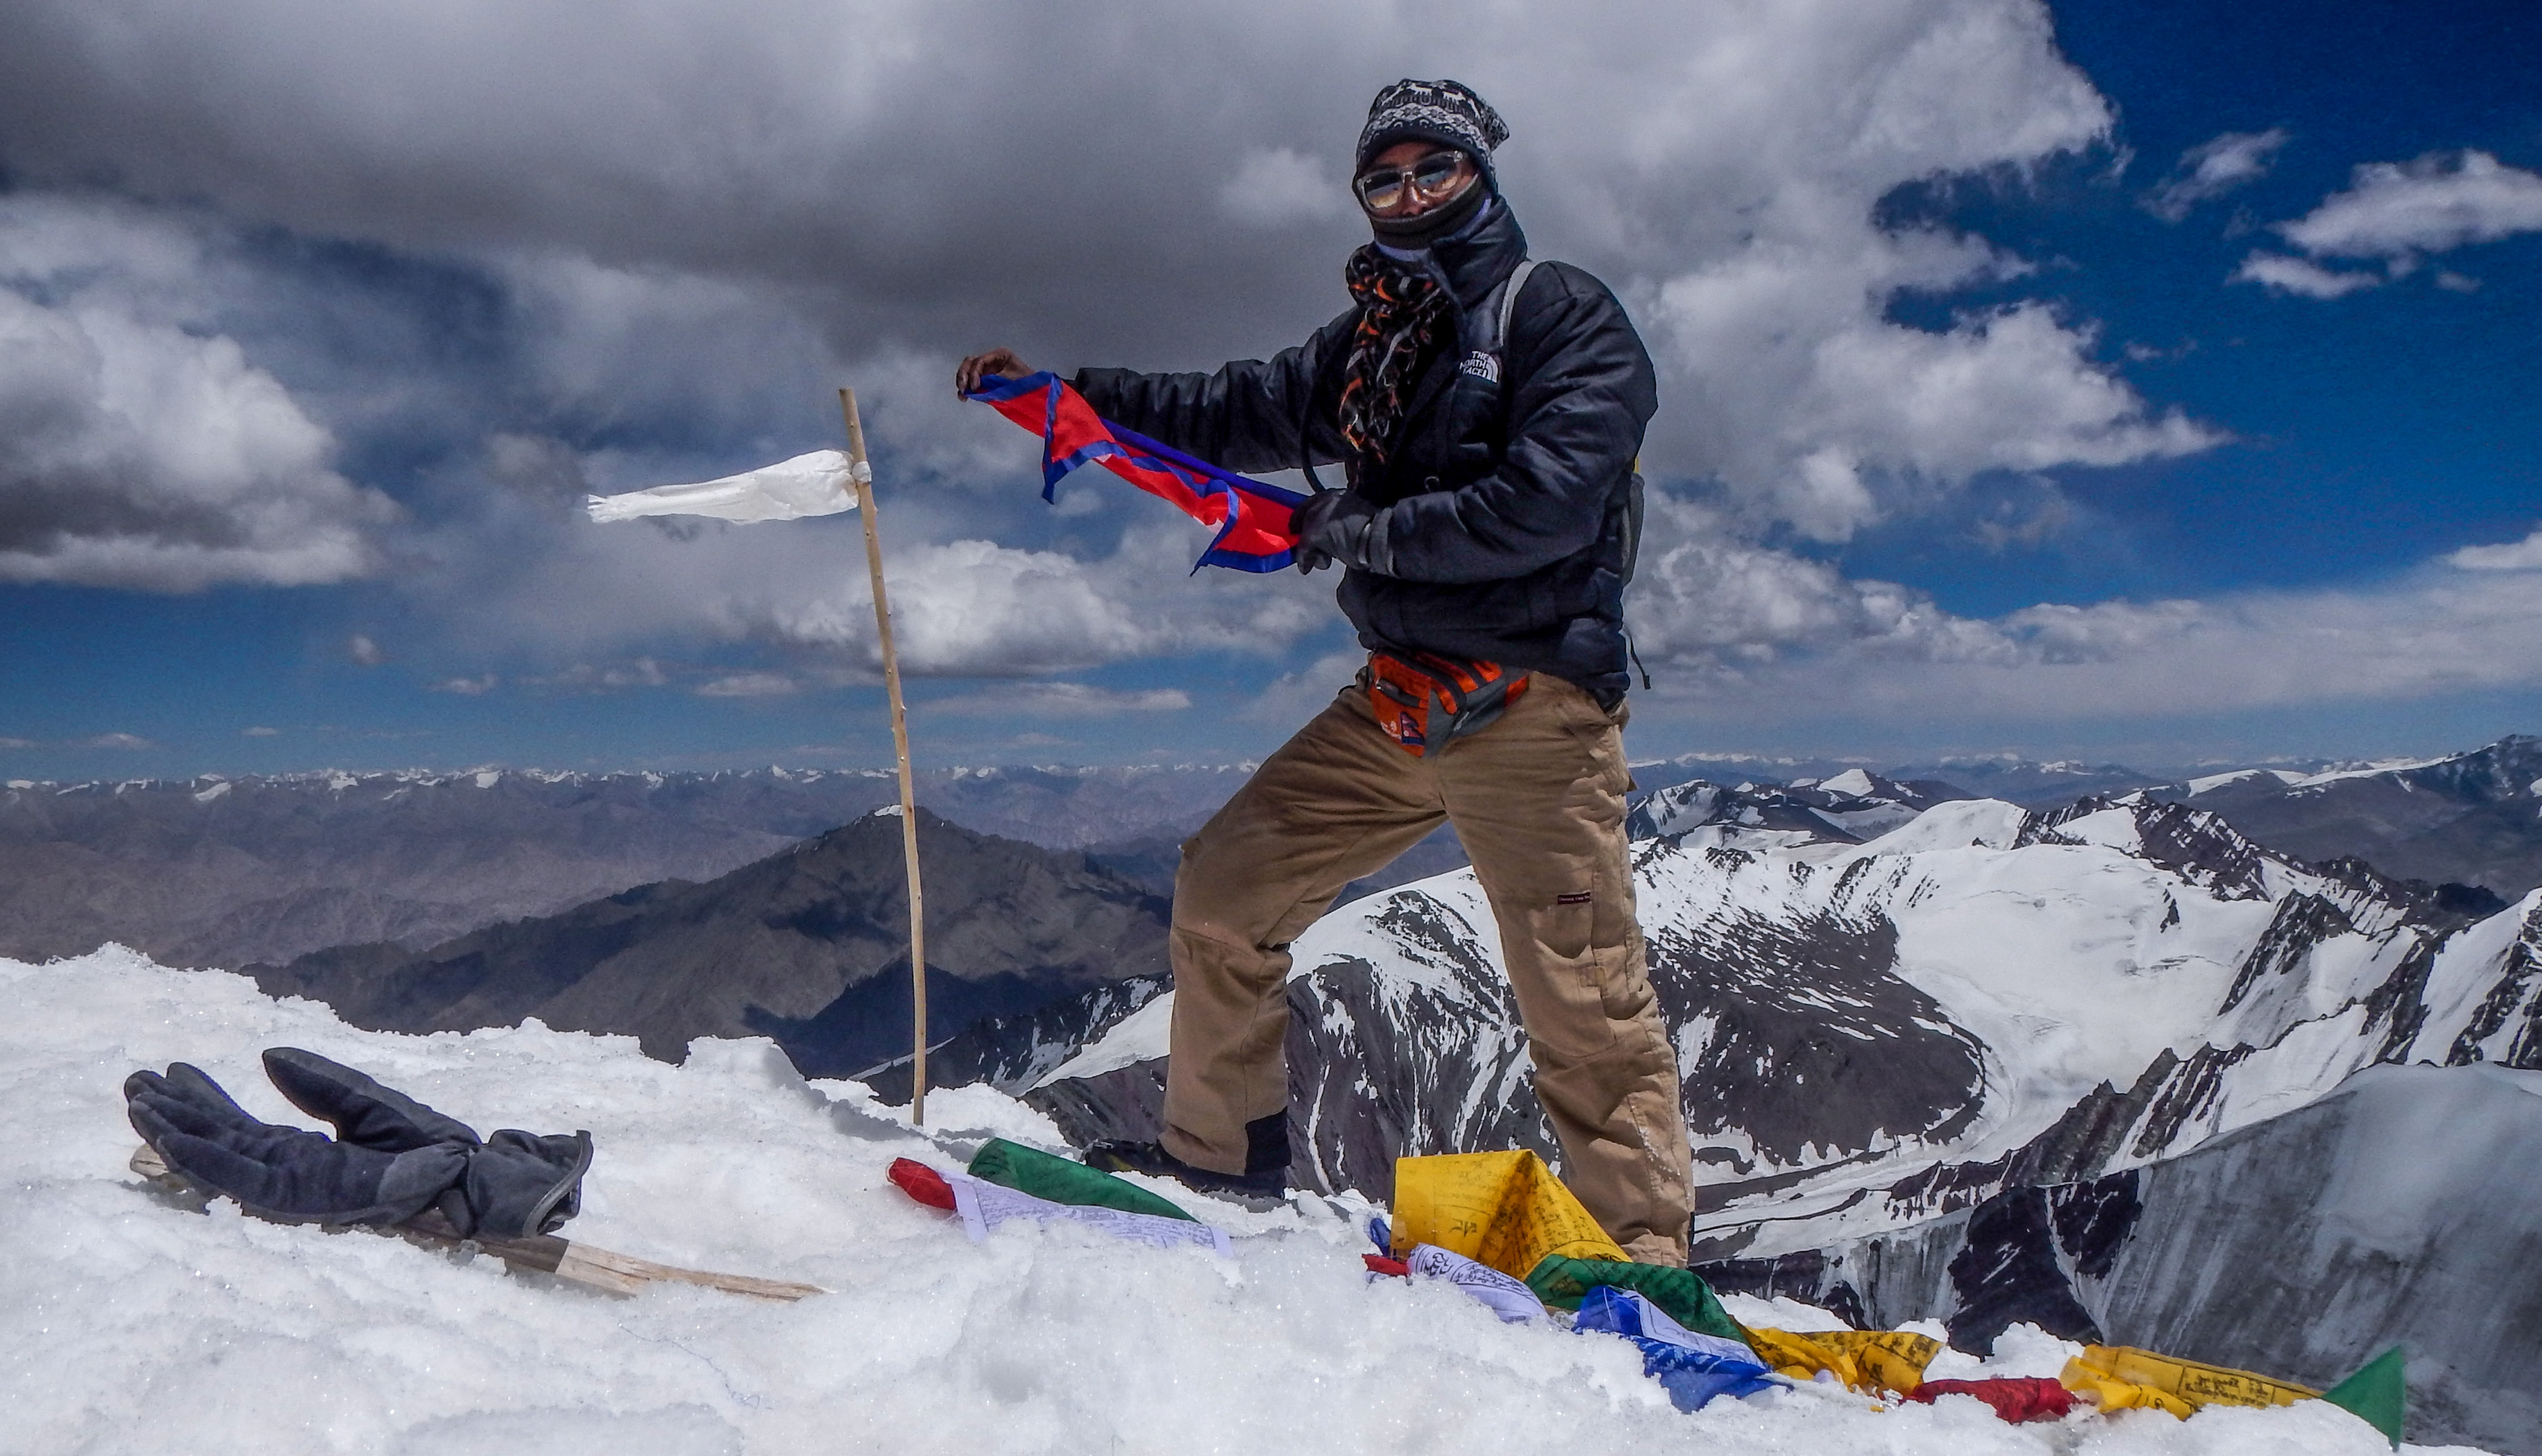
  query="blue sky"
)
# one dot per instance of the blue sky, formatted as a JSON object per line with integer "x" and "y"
{"x": 2138, "y": 382}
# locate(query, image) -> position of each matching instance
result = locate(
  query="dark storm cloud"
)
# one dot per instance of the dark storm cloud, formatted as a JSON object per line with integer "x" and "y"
{"x": 611, "y": 246}
{"x": 917, "y": 168}
{"x": 135, "y": 450}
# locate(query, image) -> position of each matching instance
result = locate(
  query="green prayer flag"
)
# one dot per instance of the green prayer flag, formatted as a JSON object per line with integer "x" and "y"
{"x": 1680, "y": 1294}
{"x": 2376, "y": 1394}
{"x": 1046, "y": 1176}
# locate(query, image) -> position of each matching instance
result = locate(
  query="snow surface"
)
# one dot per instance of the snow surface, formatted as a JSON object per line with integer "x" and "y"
{"x": 1955, "y": 824}
{"x": 1141, "y": 1036}
{"x": 131, "y": 1325}
{"x": 2197, "y": 786}
{"x": 1852, "y": 781}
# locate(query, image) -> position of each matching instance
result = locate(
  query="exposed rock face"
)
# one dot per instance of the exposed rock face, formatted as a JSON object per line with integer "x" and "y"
{"x": 1846, "y": 809}
{"x": 809, "y": 946}
{"x": 1014, "y": 1051}
{"x": 1877, "y": 1034}
{"x": 2474, "y": 818}
{"x": 225, "y": 872}
{"x": 2396, "y": 1210}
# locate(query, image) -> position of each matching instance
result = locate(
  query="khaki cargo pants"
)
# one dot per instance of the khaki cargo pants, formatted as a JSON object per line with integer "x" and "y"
{"x": 1538, "y": 799}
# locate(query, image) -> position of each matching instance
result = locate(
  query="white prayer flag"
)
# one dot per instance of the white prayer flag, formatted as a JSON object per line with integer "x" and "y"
{"x": 814, "y": 484}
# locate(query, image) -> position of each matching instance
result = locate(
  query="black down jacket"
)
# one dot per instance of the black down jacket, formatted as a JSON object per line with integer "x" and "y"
{"x": 1506, "y": 492}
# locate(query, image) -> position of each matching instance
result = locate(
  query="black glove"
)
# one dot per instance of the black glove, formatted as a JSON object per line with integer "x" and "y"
{"x": 521, "y": 1184}
{"x": 283, "y": 1173}
{"x": 391, "y": 1157}
{"x": 1339, "y": 526}
{"x": 365, "y": 1113}
{"x": 517, "y": 1184}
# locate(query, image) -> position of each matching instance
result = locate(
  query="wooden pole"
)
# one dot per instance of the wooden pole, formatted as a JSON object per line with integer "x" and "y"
{"x": 862, "y": 473}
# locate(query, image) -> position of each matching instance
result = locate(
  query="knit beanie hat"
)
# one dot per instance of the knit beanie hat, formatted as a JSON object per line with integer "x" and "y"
{"x": 1443, "y": 111}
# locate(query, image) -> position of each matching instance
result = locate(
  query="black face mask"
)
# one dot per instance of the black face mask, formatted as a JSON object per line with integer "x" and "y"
{"x": 1437, "y": 223}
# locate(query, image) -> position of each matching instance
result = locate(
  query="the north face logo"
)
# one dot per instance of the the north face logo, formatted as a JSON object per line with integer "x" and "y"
{"x": 1483, "y": 366}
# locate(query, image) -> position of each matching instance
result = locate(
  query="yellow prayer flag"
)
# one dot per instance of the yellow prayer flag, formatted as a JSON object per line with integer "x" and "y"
{"x": 1871, "y": 1361}
{"x": 2120, "y": 1377}
{"x": 1504, "y": 1209}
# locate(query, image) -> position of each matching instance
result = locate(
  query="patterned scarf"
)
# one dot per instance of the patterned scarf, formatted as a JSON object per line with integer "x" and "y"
{"x": 1400, "y": 310}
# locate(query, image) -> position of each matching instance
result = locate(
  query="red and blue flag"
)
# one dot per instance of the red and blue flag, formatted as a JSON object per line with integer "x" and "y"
{"x": 1251, "y": 516}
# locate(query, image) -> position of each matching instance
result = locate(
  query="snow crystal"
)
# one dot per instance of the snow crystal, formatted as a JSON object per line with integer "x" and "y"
{"x": 134, "y": 1325}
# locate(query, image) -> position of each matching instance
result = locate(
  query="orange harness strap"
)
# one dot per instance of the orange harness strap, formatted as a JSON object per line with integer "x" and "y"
{"x": 1424, "y": 700}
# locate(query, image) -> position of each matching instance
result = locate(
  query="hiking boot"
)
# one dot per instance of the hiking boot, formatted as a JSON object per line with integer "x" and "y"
{"x": 1265, "y": 1189}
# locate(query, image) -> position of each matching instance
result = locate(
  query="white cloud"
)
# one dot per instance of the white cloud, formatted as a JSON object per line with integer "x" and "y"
{"x": 1293, "y": 697}
{"x": 114, "y": 741}
{"x": 260, "y": 732}
{"x": 767, "y": 158}
{"x": 2295, "y": 275}
{"x": 1760, "y": 638}
{"x": 2437, "y": 203}
{"x": 1802, "y": 399}
{"x": 2513, "y": 555}
{"x": 1704, "y": 598}
{"x": 641, "y": 672}
{"x": 138, "y": 447}
{"x": 691, "y": 229}
{"x": 2213, "y": 168}
{"x": 363, "y": 652}
{"x": 1057, "y": 700}
{"x": 976, "y": 608}
{"x": 477, "y": 687}
{"x": 750, "y": 685}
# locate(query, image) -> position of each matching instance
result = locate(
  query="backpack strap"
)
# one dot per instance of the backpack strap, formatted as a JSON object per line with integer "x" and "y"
{"x": 1507, "y": 303}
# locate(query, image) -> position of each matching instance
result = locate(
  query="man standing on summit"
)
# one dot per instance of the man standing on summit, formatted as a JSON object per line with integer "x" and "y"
{"x": 1486, "y": 412}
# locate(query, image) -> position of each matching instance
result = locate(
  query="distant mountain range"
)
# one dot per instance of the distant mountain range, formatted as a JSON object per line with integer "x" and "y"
{"x": 809, "y": 946}
{"x": 2472, "y": 818}
{"x": 228, "y": 871}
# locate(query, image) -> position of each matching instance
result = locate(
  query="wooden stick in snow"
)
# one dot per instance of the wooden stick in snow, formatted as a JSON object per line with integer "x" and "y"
{"x": 569, "y": 1260}
{"x": 862, "y": 474}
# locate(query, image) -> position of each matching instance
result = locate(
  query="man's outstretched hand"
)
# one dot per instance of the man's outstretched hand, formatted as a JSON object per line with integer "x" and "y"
{"x": 966, "y": 377}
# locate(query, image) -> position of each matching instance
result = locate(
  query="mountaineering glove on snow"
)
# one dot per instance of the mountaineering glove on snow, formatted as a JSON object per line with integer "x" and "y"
{"x": 521, "y": 1184}
{"x": 518, "y": 1184}
{"x": 391, "y": 1157}
{"x": 1340, "y": 526}
{"x": 281, "y": 1173}
{"x": 365, "y": 1113}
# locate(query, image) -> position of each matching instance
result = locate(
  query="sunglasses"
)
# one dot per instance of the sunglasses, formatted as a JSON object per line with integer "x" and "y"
{"x": 1430, "y": 179}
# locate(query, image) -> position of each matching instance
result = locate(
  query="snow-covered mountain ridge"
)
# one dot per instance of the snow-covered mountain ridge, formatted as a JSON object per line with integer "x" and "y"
{"x": 1873, "y": 1034}
{"x": 2475, "y": 818}
{"x": 1956, "y": 1071}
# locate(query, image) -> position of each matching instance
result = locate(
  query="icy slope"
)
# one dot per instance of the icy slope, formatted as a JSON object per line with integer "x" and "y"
{"x": 130, "y": 1326}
